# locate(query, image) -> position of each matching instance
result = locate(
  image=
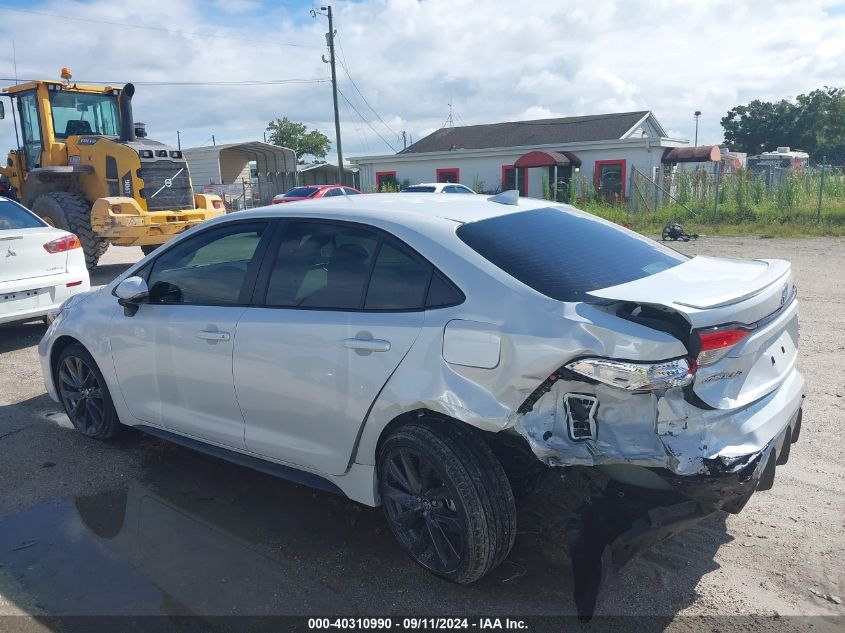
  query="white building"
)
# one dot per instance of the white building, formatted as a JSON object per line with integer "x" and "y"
{"x": 589, "y": 152}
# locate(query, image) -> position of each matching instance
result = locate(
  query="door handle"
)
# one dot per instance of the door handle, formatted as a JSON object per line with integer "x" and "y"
{"x": 213, "y": 335}
{"x": 366, "y": 344}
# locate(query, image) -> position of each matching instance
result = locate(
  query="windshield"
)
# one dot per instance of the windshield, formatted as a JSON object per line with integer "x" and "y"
{"x": 565, "y": 254}
{"x": 77, "y": 113}
{"x": 418, "y": 189}
{"x": 300, "y": 192}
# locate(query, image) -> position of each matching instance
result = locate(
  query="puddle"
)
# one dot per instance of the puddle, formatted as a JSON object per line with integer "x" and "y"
{"x": 198, "y": 536}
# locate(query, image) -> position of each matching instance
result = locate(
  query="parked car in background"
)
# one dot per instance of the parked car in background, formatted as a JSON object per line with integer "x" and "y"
{"x": 434, "y": 354}
{"x": 310, "y": 192}
{"x": 437, "y": 187}
{"x": 40, "y": 266}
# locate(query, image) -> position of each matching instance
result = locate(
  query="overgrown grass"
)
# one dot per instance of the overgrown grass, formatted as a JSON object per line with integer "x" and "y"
{"x": 746, "y": 206}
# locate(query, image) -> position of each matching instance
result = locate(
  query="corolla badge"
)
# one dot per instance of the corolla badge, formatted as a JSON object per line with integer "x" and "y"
{"x": 11, "y": 253}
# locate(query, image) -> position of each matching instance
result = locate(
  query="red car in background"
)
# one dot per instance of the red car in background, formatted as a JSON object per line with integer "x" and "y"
{"x": 310, "y": 192}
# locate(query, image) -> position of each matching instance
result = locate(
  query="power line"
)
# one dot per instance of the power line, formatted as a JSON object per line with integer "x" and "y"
{"x": 369, "y": 125}
{"x": 150, "y": 28}
{"x": 355, "y": 85}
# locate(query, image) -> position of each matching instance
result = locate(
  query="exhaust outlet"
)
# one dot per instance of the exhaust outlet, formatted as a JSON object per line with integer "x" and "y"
{"x": 127, "y": 125}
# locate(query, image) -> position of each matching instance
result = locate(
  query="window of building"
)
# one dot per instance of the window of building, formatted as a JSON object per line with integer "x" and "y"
{"x": 609, "y": 178}
{"x": 509, "y": 179}
{"x": 450, "y": 174}
{"x": 386, "y": 180}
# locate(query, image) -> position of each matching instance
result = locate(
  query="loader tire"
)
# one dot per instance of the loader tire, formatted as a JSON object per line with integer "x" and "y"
{"x": 71, "y": 212}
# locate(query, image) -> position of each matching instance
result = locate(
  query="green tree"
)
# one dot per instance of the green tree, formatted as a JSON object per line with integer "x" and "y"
{"x": 812, "y": 122}
{"x": 297, "y": 136}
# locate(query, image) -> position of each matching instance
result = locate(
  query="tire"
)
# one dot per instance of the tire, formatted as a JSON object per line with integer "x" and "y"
{"x": 71, "y": 212}
{"x": 149, "y": 248}
{"x": 447, "y": 498}
{"x": 84, "y": 394}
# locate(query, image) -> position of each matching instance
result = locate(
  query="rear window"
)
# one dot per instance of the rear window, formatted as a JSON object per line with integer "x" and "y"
{"x": 14, "y": 216}
{"x": 418, "y": 189}
{"x": 565, "y": 255}
{"x": 300, "y": 192}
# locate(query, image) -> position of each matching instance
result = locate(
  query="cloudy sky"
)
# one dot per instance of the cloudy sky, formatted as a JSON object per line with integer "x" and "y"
{"x": 403, "y": 62}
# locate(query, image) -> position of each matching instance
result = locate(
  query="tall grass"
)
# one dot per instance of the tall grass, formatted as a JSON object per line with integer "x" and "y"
{"x": 746, "y": 205}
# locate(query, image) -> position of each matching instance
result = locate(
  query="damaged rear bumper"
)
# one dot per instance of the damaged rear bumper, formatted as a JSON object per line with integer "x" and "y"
{"x": 718, "y": 457}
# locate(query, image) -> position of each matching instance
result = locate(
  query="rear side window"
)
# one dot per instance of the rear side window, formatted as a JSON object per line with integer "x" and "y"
{"x": 14, "y": 216}
{"x": 321, "y": 266}
{"x": 399, "y": 280}
{"x": 418, "y": 189}
{"x": 565, "y": 255}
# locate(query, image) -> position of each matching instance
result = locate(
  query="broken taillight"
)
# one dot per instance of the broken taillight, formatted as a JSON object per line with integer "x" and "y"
{"x": 65, "y": 243}
{"x": 717, "y": 342}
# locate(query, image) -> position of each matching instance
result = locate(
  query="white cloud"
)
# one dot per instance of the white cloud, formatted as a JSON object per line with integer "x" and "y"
{"x": 494, "y": 61}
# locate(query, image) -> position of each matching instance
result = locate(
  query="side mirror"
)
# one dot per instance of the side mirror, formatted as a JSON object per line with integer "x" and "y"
{"x": 131, "y": 292}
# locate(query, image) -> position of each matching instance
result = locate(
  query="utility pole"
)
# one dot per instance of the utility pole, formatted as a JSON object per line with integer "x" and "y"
{"x": 330, "y": 41}
{"x": 178, "y": 140}
{"x": 697, "y": 114}
{"x": 404, "y": 140}
{"x": 213, "y": 140}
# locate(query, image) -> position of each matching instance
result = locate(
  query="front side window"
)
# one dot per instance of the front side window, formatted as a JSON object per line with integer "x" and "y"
{"x": 564, "y": 255}
{"x": 76, "y": 113}
{"x": 330, "y": 193}
{"x": 207, "y": 269}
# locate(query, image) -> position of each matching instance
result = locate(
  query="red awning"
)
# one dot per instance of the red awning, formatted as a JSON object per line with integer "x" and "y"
{"x": 539, "y": 158}
{"x": 700, "y": 154}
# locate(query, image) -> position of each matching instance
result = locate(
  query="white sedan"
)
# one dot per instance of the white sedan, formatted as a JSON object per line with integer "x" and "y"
{"x": 40, "y": 267}
{"x": 437, "y": 187}
{"x": 431, "y": 353}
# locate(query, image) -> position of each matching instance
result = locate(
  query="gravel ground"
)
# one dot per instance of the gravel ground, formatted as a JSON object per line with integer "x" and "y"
{"x": 253, "y": 544}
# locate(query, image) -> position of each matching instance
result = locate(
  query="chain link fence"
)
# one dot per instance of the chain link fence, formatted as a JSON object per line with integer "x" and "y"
{"x": 721, "y": 194}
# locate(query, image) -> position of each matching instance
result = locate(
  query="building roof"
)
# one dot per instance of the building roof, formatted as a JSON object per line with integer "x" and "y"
{"x": 574, "y": 129}
{"x": 325, "y": 166}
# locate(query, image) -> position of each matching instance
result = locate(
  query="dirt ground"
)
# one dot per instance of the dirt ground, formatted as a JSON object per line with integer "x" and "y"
{"x": 143, "y": 527}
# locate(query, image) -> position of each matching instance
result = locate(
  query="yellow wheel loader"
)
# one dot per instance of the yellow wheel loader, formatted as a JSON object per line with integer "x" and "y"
{"x": 83, "y": 165}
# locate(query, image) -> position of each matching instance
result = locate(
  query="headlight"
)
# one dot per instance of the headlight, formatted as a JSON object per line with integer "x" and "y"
{"x": 635, "y": 376}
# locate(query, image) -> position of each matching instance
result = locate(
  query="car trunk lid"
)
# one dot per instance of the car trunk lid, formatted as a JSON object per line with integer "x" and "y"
{"x": 756, "y": 296}
{"x": 23, "y": 256}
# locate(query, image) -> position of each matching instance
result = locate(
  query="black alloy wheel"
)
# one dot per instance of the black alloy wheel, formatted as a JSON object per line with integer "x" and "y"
{"x": 423, "y": 512}
{"x": 446, "y": 497}
{"x": 84, "y": 394}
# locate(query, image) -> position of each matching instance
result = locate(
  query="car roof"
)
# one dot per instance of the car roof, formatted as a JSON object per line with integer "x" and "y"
{"x": 402, "y": 208}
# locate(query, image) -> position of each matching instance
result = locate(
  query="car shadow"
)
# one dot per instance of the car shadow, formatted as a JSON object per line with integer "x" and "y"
{"x": 196, "y": 535}
{"x": 15, "y": 336}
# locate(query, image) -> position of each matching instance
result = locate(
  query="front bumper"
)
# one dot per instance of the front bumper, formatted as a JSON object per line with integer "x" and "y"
{"x": 123, "y": 222}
